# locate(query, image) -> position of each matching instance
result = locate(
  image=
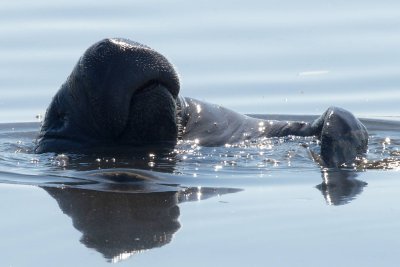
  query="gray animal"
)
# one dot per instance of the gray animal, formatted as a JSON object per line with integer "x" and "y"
{"x": 125, "y": 94}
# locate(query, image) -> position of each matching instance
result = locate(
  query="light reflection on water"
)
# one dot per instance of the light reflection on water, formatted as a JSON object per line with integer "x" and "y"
{"x": 247, "y": 160}
{"x": 265, "y": 57}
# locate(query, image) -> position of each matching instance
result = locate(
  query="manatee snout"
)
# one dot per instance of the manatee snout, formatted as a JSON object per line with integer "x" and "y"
{"x": 119, "y": 93}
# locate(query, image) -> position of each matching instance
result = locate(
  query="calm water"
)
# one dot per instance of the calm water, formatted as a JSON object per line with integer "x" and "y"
{"x": 260, "y": 203}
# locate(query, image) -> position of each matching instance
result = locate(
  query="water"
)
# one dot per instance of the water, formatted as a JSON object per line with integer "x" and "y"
{"x": 259, "y": 51}
{"x": 264, "y": 202}
{"x": 258, "y": 198}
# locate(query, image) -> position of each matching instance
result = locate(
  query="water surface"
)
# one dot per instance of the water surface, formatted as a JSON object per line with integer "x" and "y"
{"x": 232, "y": 205}
{"x": 256, "y": 203}
{"x": 282, "y": 57}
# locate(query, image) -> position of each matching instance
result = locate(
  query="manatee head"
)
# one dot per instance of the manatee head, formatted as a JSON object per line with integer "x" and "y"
{"x": 120, "y": 93}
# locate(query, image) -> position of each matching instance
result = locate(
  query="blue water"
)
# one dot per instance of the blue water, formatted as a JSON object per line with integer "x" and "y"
{"x": 283, "y": 57}
{"x": 263, "y": 203}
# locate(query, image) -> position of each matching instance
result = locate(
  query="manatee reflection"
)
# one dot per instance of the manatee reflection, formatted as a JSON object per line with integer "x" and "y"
{"x": 340, "y": 187}
{"x": 121, "y": 224}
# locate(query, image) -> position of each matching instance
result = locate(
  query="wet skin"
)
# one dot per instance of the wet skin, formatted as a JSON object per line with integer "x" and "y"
{"x": 124, "y": 94}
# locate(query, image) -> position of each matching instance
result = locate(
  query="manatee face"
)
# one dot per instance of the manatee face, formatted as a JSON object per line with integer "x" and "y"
{"x": 120, "y": 93}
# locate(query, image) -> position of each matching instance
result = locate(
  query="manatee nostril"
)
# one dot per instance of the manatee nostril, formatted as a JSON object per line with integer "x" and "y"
{"x": 147, "y": 86}
{"x": 152, "y": 116}
{"x": 151, "y": 84}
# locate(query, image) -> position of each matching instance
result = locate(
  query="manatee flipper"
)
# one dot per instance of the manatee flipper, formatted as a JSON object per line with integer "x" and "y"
{"x": 343, "y": 137}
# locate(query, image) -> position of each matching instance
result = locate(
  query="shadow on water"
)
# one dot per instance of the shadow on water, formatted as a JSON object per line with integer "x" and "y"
{"x": 121, "y": 224}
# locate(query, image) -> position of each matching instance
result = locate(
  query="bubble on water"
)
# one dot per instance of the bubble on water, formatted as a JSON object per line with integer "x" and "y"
{"x": 290, "y": 154}
{"x": 217, "y": 167}
{"x": 34, "y": 160}
{"x": 61, "y": 160}
{"x": 274, "y": 162}
{"x": 230, "y": 163}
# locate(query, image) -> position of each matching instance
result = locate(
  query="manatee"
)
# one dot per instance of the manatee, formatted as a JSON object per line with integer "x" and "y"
{"x": 125, "y": 94}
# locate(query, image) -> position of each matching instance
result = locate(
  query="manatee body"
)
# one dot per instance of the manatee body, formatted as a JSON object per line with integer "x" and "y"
{"x": 125, "y": 94}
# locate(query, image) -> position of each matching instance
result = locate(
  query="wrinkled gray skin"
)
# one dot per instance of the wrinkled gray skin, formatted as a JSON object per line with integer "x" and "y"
{"x": 122, "y": 93}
